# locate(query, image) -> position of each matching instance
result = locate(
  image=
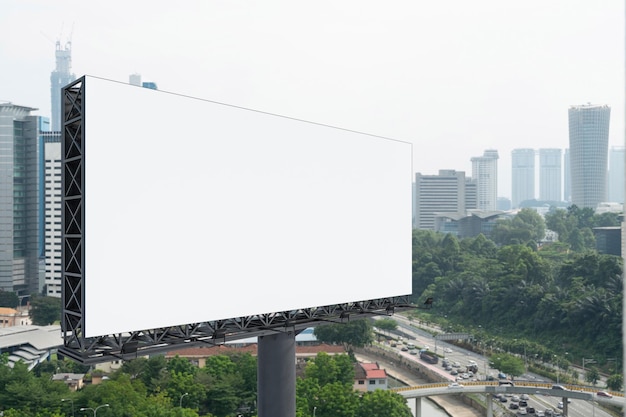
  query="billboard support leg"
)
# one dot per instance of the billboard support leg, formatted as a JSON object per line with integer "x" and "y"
{"x": 276, "y": 376}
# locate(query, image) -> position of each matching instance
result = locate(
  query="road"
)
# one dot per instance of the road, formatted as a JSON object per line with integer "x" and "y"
{"x": 424, "y": 339}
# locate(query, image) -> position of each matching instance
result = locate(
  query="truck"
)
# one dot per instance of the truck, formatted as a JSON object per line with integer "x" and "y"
{"x": 428, "y": 357}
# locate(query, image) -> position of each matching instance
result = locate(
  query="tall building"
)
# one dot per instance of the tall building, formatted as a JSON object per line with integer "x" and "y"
{"x": 567, "y": 177}
{"x": 550, "y": 174}
{"x": 438, "y": 193}
{"x": 616, "y": 174}
{"x": 589, "y": 144}
{"x": 59, "y": 78}
{"x": 485, "y": 173}
{"x": 522, "y": 176}
{"x": 21, "y": 200}
{"x": 52, "y": 225}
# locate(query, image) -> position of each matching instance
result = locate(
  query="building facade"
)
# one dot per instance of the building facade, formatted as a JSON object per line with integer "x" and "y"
{"x": 52, "y": 221}
{"x": 616, "y": 174}
{"x": 522, "y": 176}
{"x": 438, "y": 193}
{"x": 589, "y": 144}
{"x": 550, "y": 178}
{"x": 485, "y": 173}
{"x": 21, "y": 200}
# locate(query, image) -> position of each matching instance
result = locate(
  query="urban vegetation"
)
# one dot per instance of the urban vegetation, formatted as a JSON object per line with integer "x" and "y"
{"x": 551, "y": 302}
{"x": 156, "y": 387}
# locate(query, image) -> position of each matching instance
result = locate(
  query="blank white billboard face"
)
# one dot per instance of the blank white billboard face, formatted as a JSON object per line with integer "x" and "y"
{"x": 197, "y": 211}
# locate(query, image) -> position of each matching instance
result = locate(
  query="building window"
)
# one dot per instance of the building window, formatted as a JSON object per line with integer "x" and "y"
{"x": 372, "y": 381}
{"x": 361, "y": 382}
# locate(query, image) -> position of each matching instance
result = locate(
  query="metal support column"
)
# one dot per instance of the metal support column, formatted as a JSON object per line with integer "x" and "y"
{"x": 489, "y": 405}
{"x": 276, "y": 379}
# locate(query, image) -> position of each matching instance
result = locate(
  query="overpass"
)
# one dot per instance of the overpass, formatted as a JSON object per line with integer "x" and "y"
{"x": 492, "y": 388}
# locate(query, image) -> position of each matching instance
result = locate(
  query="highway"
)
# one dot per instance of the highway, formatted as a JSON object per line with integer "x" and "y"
{"x": 540, "y": 396}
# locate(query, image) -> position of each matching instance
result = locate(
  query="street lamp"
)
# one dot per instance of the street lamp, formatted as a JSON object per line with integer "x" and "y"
{"x": 314, "y": 408}
{"x": 180, "y": 403}
{"x": 584, "y": 362}
{"x": 70, "y": 400}
{"x": 95, "y": 410}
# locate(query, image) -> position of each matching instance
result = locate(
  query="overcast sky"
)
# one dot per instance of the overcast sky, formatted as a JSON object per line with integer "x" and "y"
{"x": 453, "y": 77}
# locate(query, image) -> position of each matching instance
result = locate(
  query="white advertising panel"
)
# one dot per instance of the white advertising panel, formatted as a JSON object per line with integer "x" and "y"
{"x": 198, "y": 211}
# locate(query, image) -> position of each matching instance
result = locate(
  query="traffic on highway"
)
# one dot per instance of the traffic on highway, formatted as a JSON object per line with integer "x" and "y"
{"x": 463, "y": 368}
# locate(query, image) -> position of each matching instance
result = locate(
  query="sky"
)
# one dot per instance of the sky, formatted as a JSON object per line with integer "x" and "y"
{"x": 453, "y": 77}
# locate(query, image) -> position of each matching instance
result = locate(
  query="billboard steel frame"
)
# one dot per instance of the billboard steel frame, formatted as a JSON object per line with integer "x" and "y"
{"x": 91, "y": 350}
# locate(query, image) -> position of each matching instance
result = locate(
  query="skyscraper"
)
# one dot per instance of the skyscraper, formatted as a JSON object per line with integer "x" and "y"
{"x": 52, "y": 223}
{"x": 588, "y": 144}
{"x": 438, "y": 193}
{"x": 21, "y": 200}
{"x": 567, "y": 177}
{"x": 550, "y": 174}
{"x": 616, "y": 174}
{"x": 59, "y": 78}
{"x": 485, "y": 173}
{"x": 522, "y": 176}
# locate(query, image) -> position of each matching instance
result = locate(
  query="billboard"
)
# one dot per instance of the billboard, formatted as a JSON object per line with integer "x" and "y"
{"x": 197, "y": 211}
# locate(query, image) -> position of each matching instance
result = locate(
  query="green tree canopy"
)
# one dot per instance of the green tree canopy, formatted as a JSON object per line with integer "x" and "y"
{"x": 45, "y": 310}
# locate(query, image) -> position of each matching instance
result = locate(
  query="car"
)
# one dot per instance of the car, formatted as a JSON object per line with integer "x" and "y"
{"x": 604, "y": 394}
{"x": 465, "y": 375}
{"x": 523, "y": 403}
{"x": 404, "y": 349}
{"x": 453, "y": 372}
{"x": 503, "y": 399}
{"x": 530, "y": 410}
{"x": 513, "y": 406}
{"x": 522, "y": 412}
{"x": 456, "y": 364}
{"x": 561, "y": 387}
{"x": 560, "y": 405}
{"x": 549, "y": 412}
{"x": 524, "y": 397}
{"x": 413, "y": 352}
{"x": 541, "y": 413}
{"x": 455, "y": 385}
{"x": 515, "y": 398}
{"x": 449, "y": 368}
{"x": 447, "y": 350}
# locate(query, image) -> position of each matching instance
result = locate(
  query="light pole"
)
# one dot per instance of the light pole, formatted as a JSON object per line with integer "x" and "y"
{"x": 584, "y": 362}
{"x": 314, "y": 408}
{"x": 180, "y": 403}
{"x": 70, "y": 400}
{"x": 95, "y": 410}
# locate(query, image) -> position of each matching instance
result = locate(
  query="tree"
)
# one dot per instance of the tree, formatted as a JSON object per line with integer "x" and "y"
{"x": 615, "y": 382}
{"x": 356, "y": 333}
{"x": 327, "y": 369}
{"x": 382, "y": 403}
{"x": 592, "y": 376}
{"x": 387, "y": 324}
{"x": 45, "y": 310}
{"x": 8, "y": 299}
{"x": 508, "y": 364}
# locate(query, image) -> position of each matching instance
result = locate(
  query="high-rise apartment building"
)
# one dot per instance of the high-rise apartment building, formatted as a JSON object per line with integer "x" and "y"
{"x": 567, "y": 177}
{"x": 53, "y": 228}
{"x": 438, "y": 193}
{"x": 550, "y": 174}
{"x": 59, "y": 78}
{"x": 616, "y": 174}
{"x": 21, "y": 200}
{"x": 588, "y": 144}
{"x": 485, "y": 173}
{"x": 522, "y": 176}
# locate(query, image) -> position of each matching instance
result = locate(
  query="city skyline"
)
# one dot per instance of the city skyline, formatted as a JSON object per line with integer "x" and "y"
{"x": 454, "y": 79}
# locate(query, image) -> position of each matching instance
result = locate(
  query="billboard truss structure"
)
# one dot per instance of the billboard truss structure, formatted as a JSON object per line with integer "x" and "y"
{"x": 91, "y": 350}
